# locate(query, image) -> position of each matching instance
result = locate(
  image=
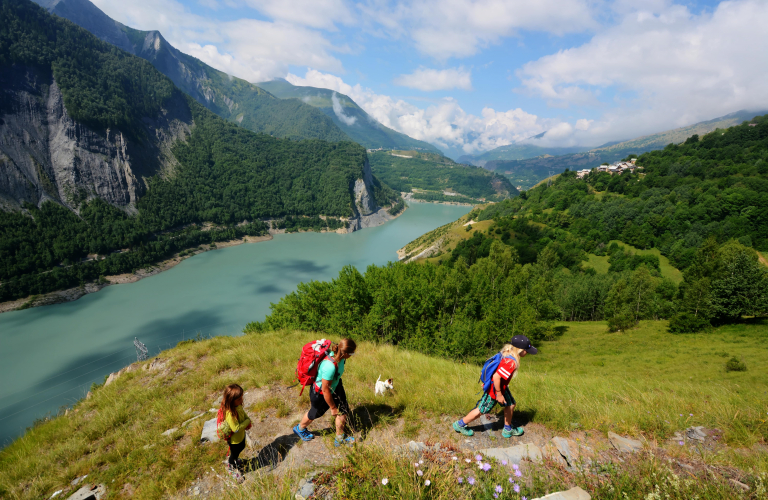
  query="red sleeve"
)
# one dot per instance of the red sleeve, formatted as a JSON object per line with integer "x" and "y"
{"x": 507, "y": 368}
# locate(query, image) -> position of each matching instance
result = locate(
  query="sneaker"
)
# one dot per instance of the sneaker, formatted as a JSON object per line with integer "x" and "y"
{"x": 349, "y": 441}
{"x": 305, "y": 435}
{"x": 236, "y": 474}
{"x": 464, "y": 430}
{"x": 515, "y": 431}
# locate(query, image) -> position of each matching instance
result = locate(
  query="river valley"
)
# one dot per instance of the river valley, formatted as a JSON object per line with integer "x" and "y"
{"x": 50, "y": 356}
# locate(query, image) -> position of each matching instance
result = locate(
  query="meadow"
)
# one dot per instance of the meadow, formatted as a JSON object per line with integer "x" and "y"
{"x": 643, "y": 382}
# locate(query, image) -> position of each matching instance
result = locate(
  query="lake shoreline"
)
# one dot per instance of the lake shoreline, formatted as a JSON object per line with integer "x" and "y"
{"x": 71, "y": 294}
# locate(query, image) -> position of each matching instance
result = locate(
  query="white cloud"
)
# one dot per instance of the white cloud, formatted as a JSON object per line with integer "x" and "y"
{"x": 313, "y": 13}
{"x": 667, "y": 67}
{"x": 459, "y": 28}
{"x": 433, "y": 79}
{"x": 338, "y": 109}
{"x": 444, "y": 124}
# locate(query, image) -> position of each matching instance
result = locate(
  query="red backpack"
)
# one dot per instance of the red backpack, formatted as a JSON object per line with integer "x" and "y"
{"x": 312, "y": 355}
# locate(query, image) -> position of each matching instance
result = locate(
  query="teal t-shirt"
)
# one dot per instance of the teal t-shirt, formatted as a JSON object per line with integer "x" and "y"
{"x": 328, "y": 371}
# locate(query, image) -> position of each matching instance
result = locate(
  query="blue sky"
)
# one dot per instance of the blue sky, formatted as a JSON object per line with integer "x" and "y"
{"x": 470, "y": 75}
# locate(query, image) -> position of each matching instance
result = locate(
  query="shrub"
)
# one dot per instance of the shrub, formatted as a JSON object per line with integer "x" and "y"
{"x": 686, "y": 322}
{"x": 734, "y": 365}
{"x": 621, "y": 322}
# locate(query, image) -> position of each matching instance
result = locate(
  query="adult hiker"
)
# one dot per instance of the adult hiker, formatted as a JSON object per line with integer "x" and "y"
{"x": 496, "y": 374}
{"x": 327, "y": 393}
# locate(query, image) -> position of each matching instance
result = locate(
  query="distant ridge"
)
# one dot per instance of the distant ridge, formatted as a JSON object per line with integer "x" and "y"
{"x": 234, "y": 99}
{"x": 348, "y": 116}
{"x": 529, "y": 171}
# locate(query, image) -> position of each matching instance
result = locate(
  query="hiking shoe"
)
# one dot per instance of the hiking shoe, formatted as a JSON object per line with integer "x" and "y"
{"x": 515, "y": 431}
{"x": 464, "y": 430}
{"x": 349, "y": 440}
{"x": 305, "y": 435}
{"x": 236, "y": 474}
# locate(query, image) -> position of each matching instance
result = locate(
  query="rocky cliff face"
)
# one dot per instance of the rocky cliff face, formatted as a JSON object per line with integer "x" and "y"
{"x": 367, "y": 213}
{"x": 44, "y": 154}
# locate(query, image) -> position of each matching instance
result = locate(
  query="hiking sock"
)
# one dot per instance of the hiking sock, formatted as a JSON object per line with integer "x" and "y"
{"x": 461, "y": 423}
{"x": 507, "y": 427}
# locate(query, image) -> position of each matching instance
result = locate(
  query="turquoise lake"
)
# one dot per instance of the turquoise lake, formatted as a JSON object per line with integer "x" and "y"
{"x": 50, "y": 356}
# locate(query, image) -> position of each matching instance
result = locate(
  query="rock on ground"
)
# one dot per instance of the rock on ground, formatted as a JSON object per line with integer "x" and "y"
{"x": 90, "y": 492}
{"x": 575, "y": 493}
{"x": 624, "y": 445}
{"x": 209, "y": 432}
{"x": 515, "y": 454}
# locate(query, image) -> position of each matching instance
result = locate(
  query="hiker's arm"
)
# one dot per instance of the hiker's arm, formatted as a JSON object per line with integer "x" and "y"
{"x": 235, "y": 425}
{"x": 497, "y": 387}
{"x": 329, "y": 397}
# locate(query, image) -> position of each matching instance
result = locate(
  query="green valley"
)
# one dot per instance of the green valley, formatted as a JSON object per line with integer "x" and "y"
{"x": 183, "y": 165}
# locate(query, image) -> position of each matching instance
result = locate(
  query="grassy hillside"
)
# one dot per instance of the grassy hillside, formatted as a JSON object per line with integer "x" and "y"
{"x": 532, "y": 169}
{"x": 598, "y": 380}
{"x": 232, "y": 98}
{"x": 405, "y": 170}
{"x": 348, "y": 116}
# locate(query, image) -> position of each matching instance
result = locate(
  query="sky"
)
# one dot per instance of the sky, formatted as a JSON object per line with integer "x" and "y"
{"x": 472, "y": 75}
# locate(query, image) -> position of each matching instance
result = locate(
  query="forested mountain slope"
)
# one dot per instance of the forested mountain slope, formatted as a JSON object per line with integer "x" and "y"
{"x": 87, "y": 129}
{"x": 521, "y": 265}
{"x": 529, "y": 170}
{"x": 435, "y": 177}
{"x": 231, "y": 98}
{"x": 349, "y": 117}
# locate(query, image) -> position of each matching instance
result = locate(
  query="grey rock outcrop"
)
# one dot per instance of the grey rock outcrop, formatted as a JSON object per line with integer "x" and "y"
{"x": 46, "y": 155}
{"x": 90, "y": 492}
{"x": 209, "y": 432}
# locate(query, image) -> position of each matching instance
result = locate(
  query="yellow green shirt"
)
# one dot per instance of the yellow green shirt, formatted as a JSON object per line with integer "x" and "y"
{"x": 238, "y": 425}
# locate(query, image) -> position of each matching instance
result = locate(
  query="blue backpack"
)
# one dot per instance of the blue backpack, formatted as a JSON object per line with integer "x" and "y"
{"x": 489, "y": 368}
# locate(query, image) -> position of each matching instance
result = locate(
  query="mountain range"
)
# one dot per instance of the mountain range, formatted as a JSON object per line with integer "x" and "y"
{"x": 348, "y": 116}
{"x": 526, "y": 171}
{"x": 277, "y": 108}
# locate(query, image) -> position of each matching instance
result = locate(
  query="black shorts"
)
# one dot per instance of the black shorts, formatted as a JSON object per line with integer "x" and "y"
{"x": 319, "y": 406}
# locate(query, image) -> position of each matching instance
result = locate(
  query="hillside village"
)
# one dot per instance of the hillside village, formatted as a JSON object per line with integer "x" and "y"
{"x": 614, "y": 168}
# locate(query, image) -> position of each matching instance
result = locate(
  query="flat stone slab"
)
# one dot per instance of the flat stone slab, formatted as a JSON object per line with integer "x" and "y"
{"x": 90, "y": 492}
{"x": 625, "y": 445}
{"x": 567, "y": 449}
{"x": 197, "y": 415}
{"x": 574, "y": 493}
{"x": 209, "y": 432}
{"x": 170, "y": 431}
{"x": 515, "y": 454}
{"x": 696, "y": 433}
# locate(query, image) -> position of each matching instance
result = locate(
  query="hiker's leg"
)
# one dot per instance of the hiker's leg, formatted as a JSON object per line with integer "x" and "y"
{"x": 508, "y": 410}
{"x": 471, "y": 416}
{"x": 234, "y": 452}
{"x": 305, "y": 421}
{"x": 341, "y": 421}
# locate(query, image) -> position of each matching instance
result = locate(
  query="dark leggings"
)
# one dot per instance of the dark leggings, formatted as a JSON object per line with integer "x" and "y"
{"x": 234, "y": 451}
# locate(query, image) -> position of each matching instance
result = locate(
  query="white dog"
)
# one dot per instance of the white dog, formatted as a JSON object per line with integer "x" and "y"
{"x": 383, "y": 386}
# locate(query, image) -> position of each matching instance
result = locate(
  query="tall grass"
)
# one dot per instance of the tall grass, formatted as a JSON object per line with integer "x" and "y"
{"x": 644, "y": 382}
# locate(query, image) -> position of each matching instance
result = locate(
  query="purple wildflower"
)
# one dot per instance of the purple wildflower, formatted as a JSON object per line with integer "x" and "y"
{"x": 499, "y": 489}
{"x": 495, "y": 495}
{"x": 478, "y": 457}
{"x": 511, "y": 480}
{"x": 515, "y": 466}
{"x": 461, "y": 480}
{"x": 486, "y": 467}
{"x": 516, "y": 488}
{"x": 524, "y": 498}
{"x": 471, "y": 480}
{"x": 503, "y": 462}
{"x": 681, "y": 443}
{"x": 419, "y": 472}
{"x": 518, "y": 473}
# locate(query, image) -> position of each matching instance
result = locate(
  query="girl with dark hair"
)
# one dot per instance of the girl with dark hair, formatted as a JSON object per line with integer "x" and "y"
{"x": 327, "y": 392}
{"x": 238, "y": 421}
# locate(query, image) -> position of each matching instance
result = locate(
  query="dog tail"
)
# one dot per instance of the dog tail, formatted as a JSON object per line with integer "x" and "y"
{"x": 379, "y": 377}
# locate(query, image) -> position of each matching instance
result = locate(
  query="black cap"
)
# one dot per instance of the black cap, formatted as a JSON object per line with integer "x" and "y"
{"x": 522, "y": 342}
